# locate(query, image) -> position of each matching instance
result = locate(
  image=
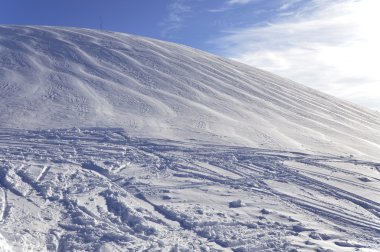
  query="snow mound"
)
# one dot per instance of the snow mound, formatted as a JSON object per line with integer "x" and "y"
{"x": 54, "y": 77}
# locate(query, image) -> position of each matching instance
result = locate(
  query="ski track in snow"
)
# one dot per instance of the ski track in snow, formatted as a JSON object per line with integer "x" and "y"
{"x": 303, "y": 174}
{"x": 98, "y": 189}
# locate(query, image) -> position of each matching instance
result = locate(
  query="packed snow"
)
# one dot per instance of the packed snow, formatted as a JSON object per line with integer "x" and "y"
{"x": 114, "y": 142}
{"x": 98, "y": 189}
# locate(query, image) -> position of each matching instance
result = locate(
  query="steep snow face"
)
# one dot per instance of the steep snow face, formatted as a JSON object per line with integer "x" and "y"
{"x": 64, "y": 77}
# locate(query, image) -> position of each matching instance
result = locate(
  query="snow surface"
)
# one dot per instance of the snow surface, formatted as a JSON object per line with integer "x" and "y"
{"x": 97, "y": 189}
{"x": 113, "y": 142}
{"x": 66, "y": 77}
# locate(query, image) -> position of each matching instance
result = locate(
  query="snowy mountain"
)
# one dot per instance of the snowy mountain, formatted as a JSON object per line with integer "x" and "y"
{"x": 61, "y": 77}
{"x": 114, "y": 142}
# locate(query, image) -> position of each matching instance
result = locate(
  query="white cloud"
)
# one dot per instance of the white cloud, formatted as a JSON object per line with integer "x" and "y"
{"x": 333, "y": 46}
{"x": 177, "y": 11}
{"x": 232, "y": 2}
{"x": 289, "y": 4}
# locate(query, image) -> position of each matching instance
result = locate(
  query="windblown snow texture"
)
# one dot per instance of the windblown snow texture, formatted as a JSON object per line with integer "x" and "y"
{"x": 65, "y": 77}
{"x": 113, "y": 142}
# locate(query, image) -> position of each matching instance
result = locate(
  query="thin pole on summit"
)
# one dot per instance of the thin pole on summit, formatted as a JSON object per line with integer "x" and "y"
{"x": 101, "y": 22}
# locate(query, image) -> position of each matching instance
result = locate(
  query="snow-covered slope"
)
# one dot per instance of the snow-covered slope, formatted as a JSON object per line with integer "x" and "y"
{"x": 65, "y": 77}
{"x": 111, "y": 142}
{"x": 101, "y": 190}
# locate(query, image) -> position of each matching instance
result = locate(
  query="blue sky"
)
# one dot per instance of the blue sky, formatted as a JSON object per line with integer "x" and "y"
{"x": 190, "y": 22}
{"x": 330, "y": 45}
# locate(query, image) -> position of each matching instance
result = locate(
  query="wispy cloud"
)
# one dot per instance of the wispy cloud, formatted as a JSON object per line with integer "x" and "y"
{"x": 177, "y": 11}
{"x": 332, "y": 46}
{"x": 232, "y": 2}
{"x": 288, "y": 4}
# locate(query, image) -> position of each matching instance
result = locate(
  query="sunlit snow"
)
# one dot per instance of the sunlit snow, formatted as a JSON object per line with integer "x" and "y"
{"x": 113, "y": 142}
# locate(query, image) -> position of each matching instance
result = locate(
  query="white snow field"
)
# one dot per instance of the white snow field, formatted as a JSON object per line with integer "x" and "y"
{"x": 113, "y": 142}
